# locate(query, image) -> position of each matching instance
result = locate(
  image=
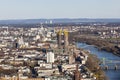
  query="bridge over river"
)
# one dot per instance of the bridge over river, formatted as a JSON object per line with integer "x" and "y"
{"x": 110, "y": 64}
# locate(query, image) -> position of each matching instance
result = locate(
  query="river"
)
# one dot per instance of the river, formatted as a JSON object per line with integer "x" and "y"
{"x": 111, "y": 74}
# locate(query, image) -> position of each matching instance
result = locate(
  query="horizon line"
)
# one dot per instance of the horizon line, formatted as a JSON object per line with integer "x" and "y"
{"x": 53, "y": 18}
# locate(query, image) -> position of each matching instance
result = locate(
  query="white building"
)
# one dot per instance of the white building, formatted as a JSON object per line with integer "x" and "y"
{"x": 50, "y": 57}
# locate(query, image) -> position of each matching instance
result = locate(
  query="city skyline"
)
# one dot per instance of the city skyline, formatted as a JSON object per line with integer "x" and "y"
{"x": 35, "y": 9}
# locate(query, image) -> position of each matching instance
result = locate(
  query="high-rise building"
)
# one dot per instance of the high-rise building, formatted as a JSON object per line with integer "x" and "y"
{"x": 59, "y": 38}
{"x": 62, "y": 37}
{"x": 77, "y": 74}
{"x": 15, "y": 43}
{"x": 71, "y": 58}
{"x": 65, "y": 40}
{"x": 51, "y": 21}
{"x": 50, "y": 57}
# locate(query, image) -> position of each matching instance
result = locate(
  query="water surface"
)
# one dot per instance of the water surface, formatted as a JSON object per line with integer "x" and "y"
{"x": 111, "y": 74}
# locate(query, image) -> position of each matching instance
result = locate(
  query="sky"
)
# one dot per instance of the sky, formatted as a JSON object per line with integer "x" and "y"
{"x": 36, "y": 9}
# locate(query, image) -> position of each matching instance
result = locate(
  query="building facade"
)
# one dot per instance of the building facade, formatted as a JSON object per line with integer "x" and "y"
{"x": 50, "y": 57}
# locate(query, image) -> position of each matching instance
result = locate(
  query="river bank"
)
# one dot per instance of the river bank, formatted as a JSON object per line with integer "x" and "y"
{"x": 92, "y": 65}
{"x": 100, "y": 44}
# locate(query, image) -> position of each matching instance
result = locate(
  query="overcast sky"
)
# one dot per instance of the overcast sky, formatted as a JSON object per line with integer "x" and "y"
{"x": 32, "y": 9}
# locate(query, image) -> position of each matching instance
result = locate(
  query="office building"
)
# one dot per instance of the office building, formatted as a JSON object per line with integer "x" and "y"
{"x": 50, "y": 57}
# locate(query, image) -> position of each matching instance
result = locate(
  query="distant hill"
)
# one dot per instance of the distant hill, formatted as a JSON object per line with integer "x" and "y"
{"x": 62, "y": 20}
